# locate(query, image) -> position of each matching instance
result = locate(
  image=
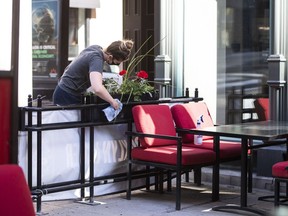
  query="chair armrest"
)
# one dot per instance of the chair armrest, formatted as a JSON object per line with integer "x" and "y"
{"x": 137, "y": 134}
{"x": 183, "y": 130}
{"x": 158, "y": 136}
{"x": 186, "y": 130}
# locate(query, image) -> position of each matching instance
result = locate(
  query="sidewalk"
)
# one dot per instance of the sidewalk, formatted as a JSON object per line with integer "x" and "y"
{"x": 195, "y": 200}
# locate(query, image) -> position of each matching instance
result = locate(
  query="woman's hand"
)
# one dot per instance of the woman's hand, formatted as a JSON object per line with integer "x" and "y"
{"x": 115, "y": 104}
{"x": 100, "y": 90}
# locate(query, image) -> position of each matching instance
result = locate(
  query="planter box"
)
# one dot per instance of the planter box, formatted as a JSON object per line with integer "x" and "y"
{"x": 96, "y": 114}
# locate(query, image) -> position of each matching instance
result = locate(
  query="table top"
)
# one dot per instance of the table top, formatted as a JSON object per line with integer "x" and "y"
{"x": 263, "y": 130}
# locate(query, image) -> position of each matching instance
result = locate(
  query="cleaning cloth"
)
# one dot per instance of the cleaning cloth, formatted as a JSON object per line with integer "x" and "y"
{"x": 111, "y": 113}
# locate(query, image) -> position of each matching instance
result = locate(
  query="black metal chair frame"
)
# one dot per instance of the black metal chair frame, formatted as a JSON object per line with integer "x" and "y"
{"x": 178, "y": 168}
{"x": 197, "y": 171}
{"x": 277, "y": 198}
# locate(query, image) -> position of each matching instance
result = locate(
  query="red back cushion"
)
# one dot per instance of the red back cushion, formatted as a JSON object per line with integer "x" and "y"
{"x": 154, "y": 119}
{"x": 15, "y": 197}
{"x": 186, "y": 116}
{"x": 262, "y": 108}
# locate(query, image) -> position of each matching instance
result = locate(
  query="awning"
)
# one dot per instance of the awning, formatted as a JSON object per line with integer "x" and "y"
{"x": 85, "y": 3}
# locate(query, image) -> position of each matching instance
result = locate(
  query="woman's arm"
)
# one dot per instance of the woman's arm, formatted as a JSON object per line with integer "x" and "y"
{"x": 100, "y": 90}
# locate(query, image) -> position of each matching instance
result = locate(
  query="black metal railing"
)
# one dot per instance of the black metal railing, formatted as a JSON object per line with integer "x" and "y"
{"x": 87, "y": 111}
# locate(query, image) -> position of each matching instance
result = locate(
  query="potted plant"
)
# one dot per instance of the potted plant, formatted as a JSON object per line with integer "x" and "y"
{"x": 135, "y": 85}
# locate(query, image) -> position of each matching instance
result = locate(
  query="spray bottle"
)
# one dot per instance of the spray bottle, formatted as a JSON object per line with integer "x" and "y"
{"x": 198, "y": 137}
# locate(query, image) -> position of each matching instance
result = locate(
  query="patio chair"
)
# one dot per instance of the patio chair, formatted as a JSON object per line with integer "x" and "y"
{"x": 15, "y": 197}
{"x": 280, "y": 173}
{"x": 161, "y": 148}
{"x": 279, "y": 169}
{"x": 185, "y": 117}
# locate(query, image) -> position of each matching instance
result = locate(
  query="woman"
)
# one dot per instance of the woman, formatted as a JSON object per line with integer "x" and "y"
{"x": 86, "y": 70}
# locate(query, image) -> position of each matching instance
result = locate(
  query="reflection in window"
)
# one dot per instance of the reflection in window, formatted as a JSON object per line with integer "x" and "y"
{"x": 79, "y": 30}
{"x": 73, "y": 32}
{"x": 243, "y": 46}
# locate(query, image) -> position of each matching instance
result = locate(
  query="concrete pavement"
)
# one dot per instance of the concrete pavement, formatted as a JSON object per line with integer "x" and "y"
{"x": 195, "y": 201}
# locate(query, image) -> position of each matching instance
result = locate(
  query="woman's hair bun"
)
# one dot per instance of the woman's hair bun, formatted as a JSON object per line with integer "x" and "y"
{"x": 129, "y": 44}
{"x": 120, "y": 49}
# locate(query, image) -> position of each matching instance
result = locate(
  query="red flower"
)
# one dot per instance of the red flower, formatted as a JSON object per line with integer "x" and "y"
{"x": 53, "y": 70}
{"x": 123, "y": 72}
{"x": 142, "y": 74}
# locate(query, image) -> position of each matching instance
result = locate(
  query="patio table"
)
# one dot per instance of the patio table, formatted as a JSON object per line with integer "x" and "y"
{"x": 267, "y": 131}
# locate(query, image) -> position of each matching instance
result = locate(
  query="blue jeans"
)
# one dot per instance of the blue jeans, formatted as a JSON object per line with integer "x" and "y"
{"x": 62, "y": 98}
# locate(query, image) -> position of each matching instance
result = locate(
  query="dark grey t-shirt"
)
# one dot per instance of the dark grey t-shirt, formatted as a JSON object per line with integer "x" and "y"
{"x": 75, "y": 79}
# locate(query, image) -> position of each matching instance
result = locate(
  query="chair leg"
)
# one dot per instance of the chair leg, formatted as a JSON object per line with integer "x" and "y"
{"x": 161, "y": 180}
{"x": 197, "y": 176}
{"x": 187, "y": 176}
{"x": 156, "y": 181}
{"x": 277, "y": 192}
{"x": 178, "y": 189}
{"x": 129, "y": 182}
{"x": 148, "y": 178}
{"x": 169, "y": 181}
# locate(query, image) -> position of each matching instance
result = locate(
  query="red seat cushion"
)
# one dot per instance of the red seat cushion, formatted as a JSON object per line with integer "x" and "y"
{"x": 186, "y": 115}
{"x": 168, "y": 155}
{"x": 15, "y": 197}
{"x": 154, "y": 119}
{"x": 280, "y": 169}
{"x": 227, "y": 149}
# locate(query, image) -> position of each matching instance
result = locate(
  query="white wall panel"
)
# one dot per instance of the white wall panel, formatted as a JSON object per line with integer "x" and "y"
{"x": 200, "y": 50}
